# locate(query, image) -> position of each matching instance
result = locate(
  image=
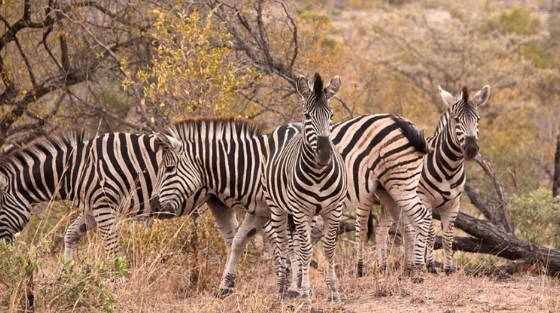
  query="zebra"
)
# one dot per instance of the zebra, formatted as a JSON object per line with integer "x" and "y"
{"x": 218, "y": 162}
{"x": 303, "y": 178}
{"x": 109, "y": 175}
{"x": 383, "y": 153}
{"x": 443, "y": 175}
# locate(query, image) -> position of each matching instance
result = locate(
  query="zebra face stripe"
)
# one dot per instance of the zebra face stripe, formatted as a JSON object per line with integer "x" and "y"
{"x": 10, "y": 224}
{"x": 177, "y": 177}
{"x": 317, "y": 116}
{"x": 464, "y": 118}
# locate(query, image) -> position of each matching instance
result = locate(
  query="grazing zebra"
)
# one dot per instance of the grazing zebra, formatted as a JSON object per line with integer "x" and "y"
{"x": 106, "y": 176}
{"x": 219, "y": 160}
{"x": 380, "y": 151}
{"x": 443, "y": 175}
{"x": 303, "y": 178}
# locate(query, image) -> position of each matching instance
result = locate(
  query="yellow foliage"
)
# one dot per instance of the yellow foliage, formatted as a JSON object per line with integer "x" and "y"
{"x": 191, "y": 72}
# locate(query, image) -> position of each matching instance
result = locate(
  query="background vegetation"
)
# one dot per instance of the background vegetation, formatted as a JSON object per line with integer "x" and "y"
{"x": 138, "y": 65}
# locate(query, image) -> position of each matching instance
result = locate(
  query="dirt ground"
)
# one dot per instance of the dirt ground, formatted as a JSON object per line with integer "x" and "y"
{"x": 384, "y": 293}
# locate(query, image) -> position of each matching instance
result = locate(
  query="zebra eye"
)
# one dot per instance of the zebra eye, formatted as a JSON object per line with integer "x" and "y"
{"x": 307, "y": 116}
{"x": 170, "y": 169}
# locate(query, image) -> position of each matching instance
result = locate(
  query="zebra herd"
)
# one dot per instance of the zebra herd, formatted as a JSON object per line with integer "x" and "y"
{"x": 279, "y": 180}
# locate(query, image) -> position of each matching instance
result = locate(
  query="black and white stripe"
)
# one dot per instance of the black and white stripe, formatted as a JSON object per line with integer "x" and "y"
{"x": 380, "y": 151}
{"x": 303, "y": 178}
{"x": 383, "y": 154}
{"x": 219, "y": 161}
{"x": 443, "y": 175}
{"x": 106, "y": 176}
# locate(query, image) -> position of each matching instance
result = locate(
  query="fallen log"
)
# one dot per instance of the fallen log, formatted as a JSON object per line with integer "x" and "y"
{"x": 492, "y": 239}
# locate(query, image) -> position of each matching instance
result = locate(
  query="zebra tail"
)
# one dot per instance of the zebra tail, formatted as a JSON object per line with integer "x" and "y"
{"x": 413, "y": 134}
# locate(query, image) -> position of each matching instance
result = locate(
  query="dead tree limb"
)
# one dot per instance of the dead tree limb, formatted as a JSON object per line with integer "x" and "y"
{"x": 495, "y": 240}
{"x": 556, "y": 179}
{"x": 502, "y": 210}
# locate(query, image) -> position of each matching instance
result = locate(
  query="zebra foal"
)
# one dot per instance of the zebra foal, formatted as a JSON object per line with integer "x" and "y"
{"x": 305, "y": 177}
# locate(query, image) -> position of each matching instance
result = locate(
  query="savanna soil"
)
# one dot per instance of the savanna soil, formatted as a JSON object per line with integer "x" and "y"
{"x": 375, "y": 293}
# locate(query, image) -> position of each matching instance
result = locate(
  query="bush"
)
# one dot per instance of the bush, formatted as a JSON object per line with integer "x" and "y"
{"x": 86, "y": 289}
{"x": 537, "y": 217}
{"x": 16, "y": 276}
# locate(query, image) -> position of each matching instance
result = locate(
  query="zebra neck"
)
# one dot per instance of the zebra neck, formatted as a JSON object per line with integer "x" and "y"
{"x": 307, "y": 159}
{"x": 447, "y": 153}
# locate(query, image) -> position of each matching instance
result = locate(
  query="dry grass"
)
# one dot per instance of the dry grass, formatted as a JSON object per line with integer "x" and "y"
{"x": 168, "y": 273}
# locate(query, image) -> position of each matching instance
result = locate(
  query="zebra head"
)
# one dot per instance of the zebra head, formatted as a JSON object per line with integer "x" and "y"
{"x": 464, "y": 118}
{"x": 176, "y": 176}
{"x": 317, "y": 115}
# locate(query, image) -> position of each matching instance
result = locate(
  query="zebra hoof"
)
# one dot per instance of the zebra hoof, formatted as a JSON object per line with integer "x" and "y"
{"x": 293, "y": 294}
{"x": 408, "y": 271}
{"x": 223, "y": 292}
{"x": 450, "y": 270}
{"x": 314, "y": 264}
{"x": 360, "y": 272}
{"x": 30, "y": 301}
{"x": 431, "y": 268}
{"x": 334, "y": 296}
{"x": 417, "y": 279}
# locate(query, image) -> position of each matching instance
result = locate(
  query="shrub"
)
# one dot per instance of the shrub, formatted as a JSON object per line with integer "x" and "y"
{"x": 16, "y": 276}
{"x": 537, "y": 217}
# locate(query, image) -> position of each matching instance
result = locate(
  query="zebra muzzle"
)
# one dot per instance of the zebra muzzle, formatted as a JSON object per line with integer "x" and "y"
{"x": 161, "y": 212}
{"x": 471, "y": 147}
{"x": 155, "y": 204}
{"x": 324, "y": 152}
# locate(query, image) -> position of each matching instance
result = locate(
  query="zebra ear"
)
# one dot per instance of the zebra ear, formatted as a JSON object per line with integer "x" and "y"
{"x": 302, "y": 86}
{"x": 481, "y": 96}
{"x": 333, "y": 87}
{"x": 166, "y": 142}
{"x": 448, "y": 98}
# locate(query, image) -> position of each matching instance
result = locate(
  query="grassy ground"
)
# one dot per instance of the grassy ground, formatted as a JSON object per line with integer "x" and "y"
{"x": 169, "y": 269}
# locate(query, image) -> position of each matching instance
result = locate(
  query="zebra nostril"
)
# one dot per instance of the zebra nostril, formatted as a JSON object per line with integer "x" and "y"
{"x": 471, "y": 148}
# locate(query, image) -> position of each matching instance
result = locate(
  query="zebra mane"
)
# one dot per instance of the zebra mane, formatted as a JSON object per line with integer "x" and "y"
{"x": 464, "y": 104}
{"x": 38, "y": 146}
{"x": 212, "y": 128}
{"x": 318, "y": 84}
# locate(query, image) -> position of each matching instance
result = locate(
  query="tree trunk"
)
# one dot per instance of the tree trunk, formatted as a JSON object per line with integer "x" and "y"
{"x": 556, "y": 180}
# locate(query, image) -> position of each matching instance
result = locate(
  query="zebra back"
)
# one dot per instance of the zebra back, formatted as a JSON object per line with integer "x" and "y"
{"x": 115, "y": 170}
{"x": 379, "y": 150}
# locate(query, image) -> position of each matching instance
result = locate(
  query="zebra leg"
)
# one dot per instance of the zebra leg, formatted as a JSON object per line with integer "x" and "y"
{"x": 405, "y": 229}
{"x": 408, "y": 232}
{"x": 303, "y": 228}
{"x": 106, "y": 220}
{"x": 294, "y": 258}
{"x": 332, "y": 221}
{"x": 252, "y": 224}
{"x": 362, "y": 215}
{"x": 381, "y": 233}
{"x": 415, "y": 213}
{"x": 448, "y": 217}
{"x": 279, "y": 223}
{"x": 430, "y": 263}
{"x": 270, "y": 235}
{"x": 226, "y": 220}
{"x": 74, "y": 233}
